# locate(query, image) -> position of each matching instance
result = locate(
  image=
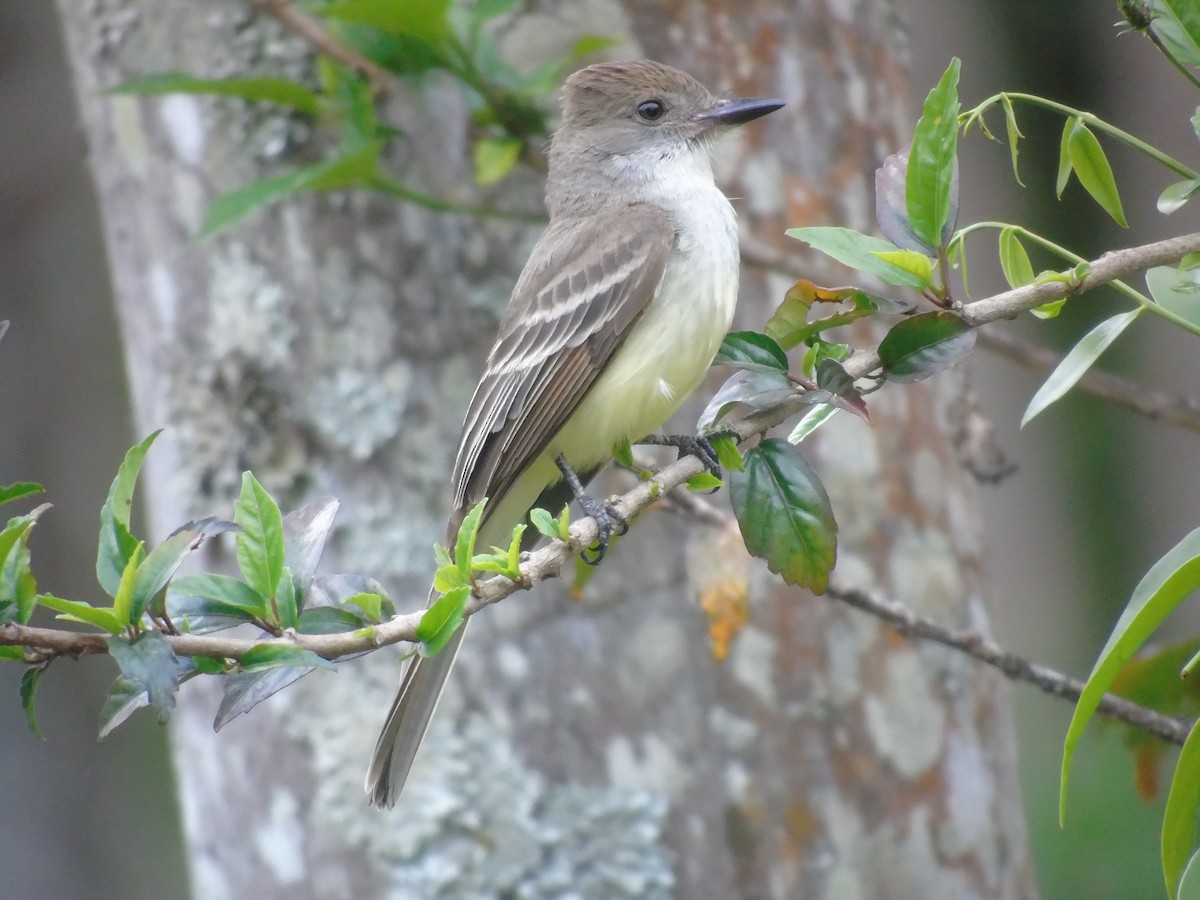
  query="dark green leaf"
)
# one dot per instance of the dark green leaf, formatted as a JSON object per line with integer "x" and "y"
{"x": 255, "y": 90}
{"x": 305, "y": 531}
{"x": 351, "y": 170}
{"x": 116, "y": 541}
{"x": 929, "y": 184}
{"x": 149, "y": 662}
{"x": 29, "y": 685}
{"x": 835, "y": 386}
{"x": 425, "y": 20}
{"x": 260, "y": 548}
{"x": 330, "y": 620}
{"x": 1093, "y": 171}
{"x": 229, "y": 591}
{"x": 751, "y": 351}
{"x": 1018, "y": 270}
{"x": 856, "y": 251}
{"x": 19, "y": 489}
{"x": 755, "y": 390}
{"x": 269, "y": 656}
{"x": 1076, "y": 363}
{"x": 785, "y": 515}
{"x": 1169, "y": 582}
{"x": 921, "y": 345}
{"x": 81, "y": 612}
{"x": 245, "y": 690}
{"x": 442, "y": 619}
{"x": 1179, "y": 817}
{"x": 124, "y": 698}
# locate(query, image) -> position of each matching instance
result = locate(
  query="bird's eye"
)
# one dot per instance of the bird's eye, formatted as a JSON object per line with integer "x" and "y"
{"x": 651, "y": 110}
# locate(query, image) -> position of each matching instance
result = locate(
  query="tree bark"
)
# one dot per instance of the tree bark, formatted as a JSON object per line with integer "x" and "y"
{"x": 585, "y": 748}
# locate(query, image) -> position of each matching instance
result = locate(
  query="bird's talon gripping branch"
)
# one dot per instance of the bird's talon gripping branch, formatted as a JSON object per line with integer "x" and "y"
{"x": 698, "y": 445}
{"x": 609, "y": 522}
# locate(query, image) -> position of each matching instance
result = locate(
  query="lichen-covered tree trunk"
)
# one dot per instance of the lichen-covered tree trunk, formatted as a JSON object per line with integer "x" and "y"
{"x": 592, "y": 747}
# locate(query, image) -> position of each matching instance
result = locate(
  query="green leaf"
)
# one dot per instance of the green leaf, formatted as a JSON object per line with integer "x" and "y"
{"x": 1093, "y": 171}
{"x": 464, "y": 546}
{"x": 19, "y": 489}
{"x": 495, "y": 158}
{"x": 1177, "y": 194}
{"x": 116, "y": 541}
{"x": 916, "y": 264}
{"x": 811, "y": 421}
{"x": 705, "y": 481}
{"x": 1076, "y": 363}
{"x": 1018, "y": 270}
{"x": 1176, "y": 290}
{"x": 1014, "y": 134}
{"x": 76, "y": 611}
{"x": 350, "y": 170}
{"x": 149, "y": 662}
{"x": 856, "y": 251}
{"x": 789, "y": 325}
{"x": 751, "y": 351}
{"x": 1177, "y": 24}
{"x": 223, "y": 589}
{"x": 1179, "y": 817}
{"x": 447, "y": 578}
{"x": 1064, "y": 158}
{"x": 245, "y": 690}
{"x": 270, "y": 656}
{"x": 544, "y": 522}
{"x": 122, "y": 606}
{"x": 29, "y": 685}
{"x": 1168, "y": 583}
{"x": 285, "y": 599}
{"x": 728, "y": 454}
{"x": 370, "y": 604}
{"x": 18, "y": 587}
{"x": 921, "y": 345}
{"x": 260, "y": 548}
{"x": 256, "y": 90}
{"x": 785, "y": 515}
{"x": 442, "y": 619}
{"x": 1189, "y": 883}
{"x": 123, "y": 700}
{"x": 931, "y": 161}
{"x": 160, "y": 566}
{"x": 425, "y": 20}
{"x": 329, "y": 620}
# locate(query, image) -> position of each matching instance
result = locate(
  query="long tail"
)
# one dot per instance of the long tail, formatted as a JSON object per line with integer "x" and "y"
{"x": 407, "y": 720}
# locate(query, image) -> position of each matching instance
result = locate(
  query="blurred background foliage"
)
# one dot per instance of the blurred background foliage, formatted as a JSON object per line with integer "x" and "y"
{"x": 1098, "y": 496}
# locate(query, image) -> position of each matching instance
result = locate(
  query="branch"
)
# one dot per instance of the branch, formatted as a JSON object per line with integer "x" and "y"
{"x": 302, "y": 24}
{"x": 1176, "y": 410}
{"x": 1015, "y": 667}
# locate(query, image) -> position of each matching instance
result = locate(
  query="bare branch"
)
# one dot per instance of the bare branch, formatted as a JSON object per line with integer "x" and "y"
{"x": 979, "y": 647}
{"x": 1176, "y": 410}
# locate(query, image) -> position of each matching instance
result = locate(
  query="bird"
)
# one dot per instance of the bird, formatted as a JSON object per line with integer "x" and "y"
{"x": 613, "y": 322}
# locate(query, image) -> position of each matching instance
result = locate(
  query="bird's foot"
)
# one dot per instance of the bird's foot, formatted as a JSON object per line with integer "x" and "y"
{"x": 609, "y": 522}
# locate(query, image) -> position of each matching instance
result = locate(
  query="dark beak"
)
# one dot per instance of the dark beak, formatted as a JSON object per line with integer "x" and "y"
{"x": 739, "y": 112}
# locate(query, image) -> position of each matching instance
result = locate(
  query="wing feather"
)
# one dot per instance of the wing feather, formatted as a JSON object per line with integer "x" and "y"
{"x": 585, "y": 285}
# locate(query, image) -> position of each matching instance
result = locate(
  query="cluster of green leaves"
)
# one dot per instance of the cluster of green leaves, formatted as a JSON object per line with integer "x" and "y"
{"x": 409, "y": 39}
{"x": 278, "y": 592}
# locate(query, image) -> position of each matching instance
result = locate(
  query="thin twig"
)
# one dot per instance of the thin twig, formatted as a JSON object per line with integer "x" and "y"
{"x": 1176, "y": 410}
{"x": 1017, "y": 668}
{"x": 302, "y": 24}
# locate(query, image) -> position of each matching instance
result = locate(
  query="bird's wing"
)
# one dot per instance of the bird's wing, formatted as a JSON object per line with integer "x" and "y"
{"x": 585, "y": 284}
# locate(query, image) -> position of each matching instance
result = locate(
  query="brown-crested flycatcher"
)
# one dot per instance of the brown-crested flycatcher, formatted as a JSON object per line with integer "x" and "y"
{"x": 614, "y": 321}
